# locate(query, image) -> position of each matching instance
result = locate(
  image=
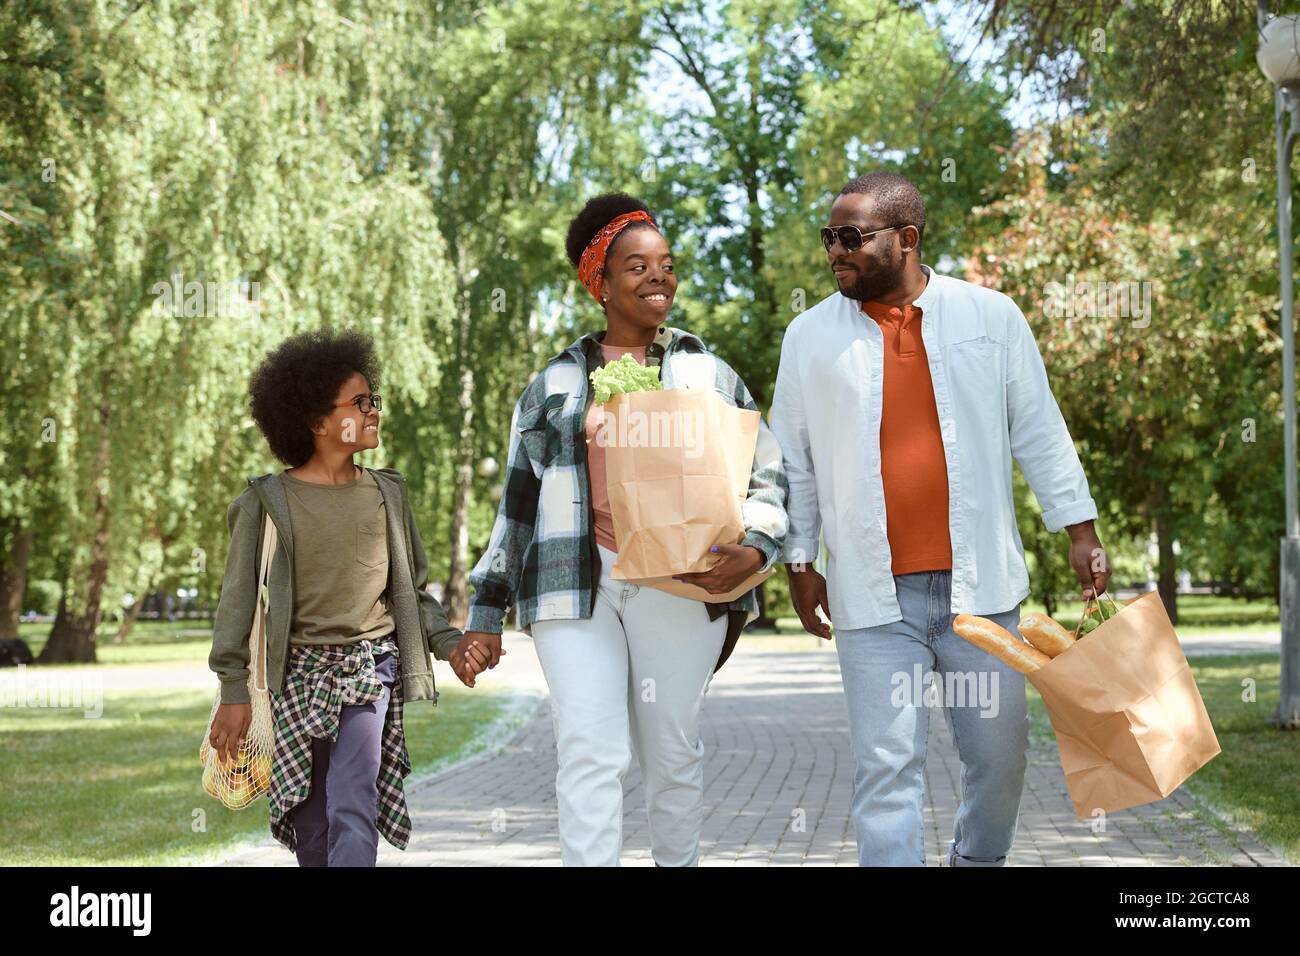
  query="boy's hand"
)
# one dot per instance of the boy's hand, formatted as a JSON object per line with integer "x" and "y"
{"x": 476, "y": 652}
{"x": 229, "y": 729}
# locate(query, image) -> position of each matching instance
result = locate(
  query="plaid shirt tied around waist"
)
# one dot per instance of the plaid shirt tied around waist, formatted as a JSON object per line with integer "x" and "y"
{"x": 319, "y": 681}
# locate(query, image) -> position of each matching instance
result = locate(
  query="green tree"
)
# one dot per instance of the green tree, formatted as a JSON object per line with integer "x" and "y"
{"x": 1156, "y": 396}
{"x": 238, "y": 158}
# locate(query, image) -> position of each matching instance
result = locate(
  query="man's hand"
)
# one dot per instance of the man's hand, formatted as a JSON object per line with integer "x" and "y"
{"x": 1088, "y": 558}
{"x": 807, "y": 593}
{"x": 476, "y": 652}
{"x": 737, "y": 562}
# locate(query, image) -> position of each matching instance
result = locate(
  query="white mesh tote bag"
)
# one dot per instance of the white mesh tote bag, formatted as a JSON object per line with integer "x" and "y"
{"x": 239, "y": 783}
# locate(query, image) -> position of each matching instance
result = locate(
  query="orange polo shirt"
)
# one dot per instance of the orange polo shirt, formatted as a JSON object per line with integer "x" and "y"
{"x": 912, "y": 463}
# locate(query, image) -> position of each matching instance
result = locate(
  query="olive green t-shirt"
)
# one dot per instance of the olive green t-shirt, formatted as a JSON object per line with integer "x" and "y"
{"x": 340, "y": 556}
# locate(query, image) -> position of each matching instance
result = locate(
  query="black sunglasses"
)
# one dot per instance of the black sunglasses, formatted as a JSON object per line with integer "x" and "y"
{"x": 851, "y": 237}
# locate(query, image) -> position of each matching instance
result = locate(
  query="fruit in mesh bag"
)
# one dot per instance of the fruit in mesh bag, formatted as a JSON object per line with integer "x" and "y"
{"x": 260, "y": 772}
{"x": 240, "y": 794}
{"x": 212, "y": 780}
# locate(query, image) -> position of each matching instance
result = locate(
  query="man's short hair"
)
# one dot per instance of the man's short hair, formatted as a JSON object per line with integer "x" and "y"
{"x": 897, "y": 199}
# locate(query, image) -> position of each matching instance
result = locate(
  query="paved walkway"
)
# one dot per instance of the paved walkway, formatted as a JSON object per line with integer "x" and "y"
{"x": 1229, "y": 642}
{"x": 779, "y": 780}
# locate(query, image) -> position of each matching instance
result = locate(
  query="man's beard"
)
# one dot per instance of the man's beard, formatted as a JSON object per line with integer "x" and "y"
{"x": 872, "y": 288}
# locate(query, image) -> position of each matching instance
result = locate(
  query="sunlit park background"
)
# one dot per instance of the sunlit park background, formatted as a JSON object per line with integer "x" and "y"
{"x": 183, "y": 183}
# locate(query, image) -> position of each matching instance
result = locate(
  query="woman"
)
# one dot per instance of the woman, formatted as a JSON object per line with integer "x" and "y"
{"x": 621, "y": 661}
{"x": 349, "y": 623}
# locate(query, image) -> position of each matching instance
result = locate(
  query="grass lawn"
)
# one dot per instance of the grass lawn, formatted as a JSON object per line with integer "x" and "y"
{"x": 124, "y": 788}
{"x": 1197, "y": 614}
{"x": 151, "y": 642}
{"x": 1256, "y": 780}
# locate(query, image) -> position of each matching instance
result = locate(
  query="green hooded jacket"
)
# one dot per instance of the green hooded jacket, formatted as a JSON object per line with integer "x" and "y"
{"x": 421, "y": 624}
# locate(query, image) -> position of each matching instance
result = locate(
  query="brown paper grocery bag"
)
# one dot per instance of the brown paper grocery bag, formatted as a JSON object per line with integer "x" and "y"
{"x": 1130, "y": 723}
{"x": 677, "y": 466}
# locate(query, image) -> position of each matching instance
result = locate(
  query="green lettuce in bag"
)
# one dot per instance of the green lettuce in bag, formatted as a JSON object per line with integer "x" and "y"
{"x": 625, "y": 375}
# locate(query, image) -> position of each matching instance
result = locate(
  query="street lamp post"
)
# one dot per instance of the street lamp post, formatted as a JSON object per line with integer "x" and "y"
{"x": 1279, "y": 59}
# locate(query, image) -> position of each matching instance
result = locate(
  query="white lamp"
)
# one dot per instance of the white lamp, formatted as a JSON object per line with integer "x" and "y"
{"x": 1277, "y": 55}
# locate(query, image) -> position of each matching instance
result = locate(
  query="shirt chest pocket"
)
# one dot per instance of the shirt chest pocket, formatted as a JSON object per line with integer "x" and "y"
{"x": 372, "y": 541}
{"x": 976, "y": 370}
{"x": 980, "y": 357}
{"x": 542, "y": 430}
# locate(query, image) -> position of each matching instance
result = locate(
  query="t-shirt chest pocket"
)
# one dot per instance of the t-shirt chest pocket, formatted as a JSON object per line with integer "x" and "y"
{"x": 372, "y": 541}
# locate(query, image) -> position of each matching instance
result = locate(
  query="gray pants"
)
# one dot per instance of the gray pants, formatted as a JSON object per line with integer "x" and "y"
{"x": 337, "y": 824}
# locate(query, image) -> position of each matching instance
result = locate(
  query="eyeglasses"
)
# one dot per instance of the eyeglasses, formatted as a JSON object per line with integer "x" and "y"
{"x": 364, "y": 403}
{"x": 851, "y": 237}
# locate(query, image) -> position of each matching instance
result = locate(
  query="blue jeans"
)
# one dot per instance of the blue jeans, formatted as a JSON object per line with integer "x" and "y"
{"x": 887, "y": 689}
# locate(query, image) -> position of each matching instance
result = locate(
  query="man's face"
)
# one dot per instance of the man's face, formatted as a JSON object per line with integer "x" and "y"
{"x": 874, "y": 269}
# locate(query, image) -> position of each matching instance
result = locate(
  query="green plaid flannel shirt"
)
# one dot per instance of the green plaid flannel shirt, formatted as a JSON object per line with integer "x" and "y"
{"x": 542, "y": 555}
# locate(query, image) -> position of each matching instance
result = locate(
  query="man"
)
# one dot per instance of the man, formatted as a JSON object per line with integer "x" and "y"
{"x": 900, "y": 402}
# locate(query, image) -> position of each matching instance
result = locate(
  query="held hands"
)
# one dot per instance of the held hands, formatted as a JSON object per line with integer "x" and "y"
{"x": 477, "y": 651}
{"x": 807, "y": 593}
{"x": 736, "y": 562}
{"x": 1088, "y": 558}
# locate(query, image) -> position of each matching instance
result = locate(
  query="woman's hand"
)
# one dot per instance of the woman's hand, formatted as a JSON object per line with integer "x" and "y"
{"x": 476, "y": 652}
{"x": 229, "y": 729}
{"x": 738, "y": 561}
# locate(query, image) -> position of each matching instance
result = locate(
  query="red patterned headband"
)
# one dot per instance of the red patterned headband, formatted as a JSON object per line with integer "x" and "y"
{"x": 591, "y": 265}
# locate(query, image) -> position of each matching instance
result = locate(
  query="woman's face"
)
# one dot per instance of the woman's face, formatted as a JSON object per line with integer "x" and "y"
{"x": 639, "y": 280}
{"x": 347, "y": 425}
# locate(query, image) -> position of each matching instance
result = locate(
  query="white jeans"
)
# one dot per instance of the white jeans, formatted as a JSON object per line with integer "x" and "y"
{"x": 632, "y": 675}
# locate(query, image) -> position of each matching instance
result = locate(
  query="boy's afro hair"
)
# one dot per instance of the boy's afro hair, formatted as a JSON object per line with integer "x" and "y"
{"x": 297, "y": 384}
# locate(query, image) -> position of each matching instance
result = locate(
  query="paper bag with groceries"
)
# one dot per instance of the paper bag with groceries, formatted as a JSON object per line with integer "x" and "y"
{"x": 677, "y": 466}
{"x": 1130, "y": 723}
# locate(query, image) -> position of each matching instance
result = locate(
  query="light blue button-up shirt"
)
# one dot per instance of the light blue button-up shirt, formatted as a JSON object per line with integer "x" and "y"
{"x": 994, "y": 404}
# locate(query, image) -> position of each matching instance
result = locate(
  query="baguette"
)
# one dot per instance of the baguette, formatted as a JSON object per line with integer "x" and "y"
{"x": 1045, "y": 634}
{"x": 999, "y": 642}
